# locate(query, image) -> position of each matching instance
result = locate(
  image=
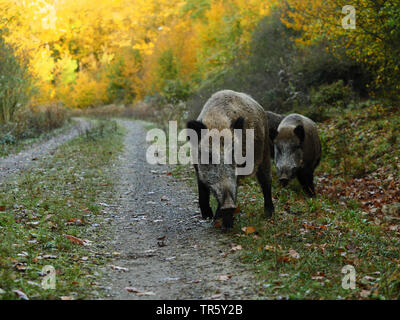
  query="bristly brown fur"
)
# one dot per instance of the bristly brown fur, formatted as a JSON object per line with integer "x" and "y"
{"x": 232, "y": 110}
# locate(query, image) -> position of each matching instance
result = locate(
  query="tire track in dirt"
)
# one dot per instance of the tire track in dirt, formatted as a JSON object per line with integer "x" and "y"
{"x": 17, "y": 162}
{"x": 161, "y": 240}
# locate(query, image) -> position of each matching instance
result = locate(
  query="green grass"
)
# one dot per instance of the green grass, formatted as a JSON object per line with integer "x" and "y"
{"x": 300, "y": 253}
{"x": 327, "y": 236}
{"x": 36, "y": 211}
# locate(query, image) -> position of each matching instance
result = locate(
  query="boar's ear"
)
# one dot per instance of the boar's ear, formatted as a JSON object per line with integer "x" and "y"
{"x": 238, "y": 123}
{"x": 196, "y": 126}
{"x": 272, "y": 134}
{"x": 299, "y": 132}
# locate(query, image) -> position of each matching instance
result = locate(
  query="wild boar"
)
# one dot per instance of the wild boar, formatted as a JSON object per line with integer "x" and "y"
{"x": 231, "y": 110}
{"x": 297, "y": 151}
{"x": 274, "y": 119}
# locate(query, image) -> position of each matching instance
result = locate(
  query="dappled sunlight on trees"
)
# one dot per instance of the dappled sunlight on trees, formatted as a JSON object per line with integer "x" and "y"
{"x": 126, "y": 50}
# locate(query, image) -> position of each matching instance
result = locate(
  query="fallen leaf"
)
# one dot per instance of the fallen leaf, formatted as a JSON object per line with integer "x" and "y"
{"x": 33, "y": 283}
{"x": 217, "y": 296}
{"x": 48, "y": 256}
{"x": 283, "y": 259}
{"x": 119, "y": 268}
{"x": 249, "y": 230}
{"x": 2, "y": 208}
{"x": 21, "y": 294}
{"x": 161, "y": 244}
{"x": 131, "y": 289}
{"x": 294, "y": 254}
{"x": 319, "y": 276}
{"x": 236, "y": 247}
{"x": 67, "y": 298}
{"x": 33, "y": 223}
{"x": 20, "y": 266}
{"x": 365, "y": 293}
{"x": 74, "y": 239}
{"x": 75, "y": 221}
{"x": 225, "y": 277}
{"x": 23, "y": 254}
{"x": 170, "y": 258}
{"x": 218, "y": 223}
{"x": 194, "y": 281}
{"x": 47, "y": 217}
{"x": 148, "y": 293}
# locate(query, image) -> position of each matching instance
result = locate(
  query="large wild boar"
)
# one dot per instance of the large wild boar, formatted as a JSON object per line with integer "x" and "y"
{"x": 274, "y": 120}
{"x": 231, "y": 110}
{"x": 297, "y": 151}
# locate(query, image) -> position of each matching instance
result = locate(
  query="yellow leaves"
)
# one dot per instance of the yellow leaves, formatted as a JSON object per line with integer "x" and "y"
{"x": 249, "y": 230}
{"x": 66, "y": 67}
{"x": 42, "y": 65}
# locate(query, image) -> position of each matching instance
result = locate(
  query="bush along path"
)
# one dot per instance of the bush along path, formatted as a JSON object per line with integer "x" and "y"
{"x": 51, "y": 219}
{"x": 16, "y": 162}
{"x": 162, "y": 249}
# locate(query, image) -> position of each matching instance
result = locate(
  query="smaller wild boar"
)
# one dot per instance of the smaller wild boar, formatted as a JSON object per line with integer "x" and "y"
{"x": 274, "y": 119}
{"x": 297, "y": 151}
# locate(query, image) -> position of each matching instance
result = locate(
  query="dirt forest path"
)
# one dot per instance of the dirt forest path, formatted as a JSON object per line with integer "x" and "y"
{"x": 15, "y": 163}
{"x": 162, "y": 248}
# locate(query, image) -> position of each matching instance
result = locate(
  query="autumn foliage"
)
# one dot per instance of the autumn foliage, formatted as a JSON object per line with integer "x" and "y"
{"x": 119, "y": 50}
{"x": 84, "y": 54}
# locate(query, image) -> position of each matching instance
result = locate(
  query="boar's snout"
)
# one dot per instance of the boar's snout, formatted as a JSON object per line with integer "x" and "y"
{"x": 286, "y": 175}
{"x": 284, "y": 181}
{"x": 228, "y": 204}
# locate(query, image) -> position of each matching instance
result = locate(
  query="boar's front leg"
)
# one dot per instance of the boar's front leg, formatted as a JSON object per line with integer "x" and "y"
{"x": 204, "y": 199}
{"x": 264, "y": 180}
{"x": 306, "y": 179}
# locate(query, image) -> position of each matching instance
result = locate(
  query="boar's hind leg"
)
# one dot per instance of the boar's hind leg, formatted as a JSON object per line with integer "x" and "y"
{"x": 306, "y": 179}
{"x": 264, "y": 179}
{"x": 204, "y": 200}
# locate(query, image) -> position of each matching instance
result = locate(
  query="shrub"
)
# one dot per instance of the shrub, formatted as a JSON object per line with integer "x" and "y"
{"x": 122, "y": 75}
{"x": 30, "y": 123}
{"x": 336, "y": 94}
{"x": 315, "y": 66}
{"x": 15, "y": 83}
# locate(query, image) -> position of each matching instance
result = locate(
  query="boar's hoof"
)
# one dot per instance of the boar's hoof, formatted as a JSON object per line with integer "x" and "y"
{"x": 227, "y": 220}
{"x": 269, "y": 212}
{"x": 284, "y": 182}
{"x": 207, "y": 214}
